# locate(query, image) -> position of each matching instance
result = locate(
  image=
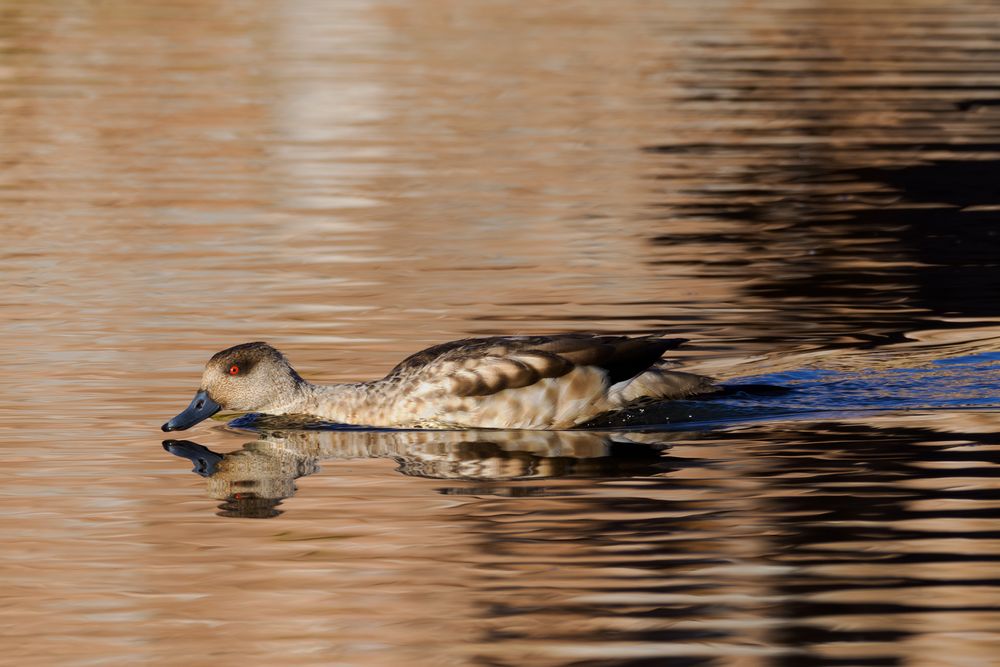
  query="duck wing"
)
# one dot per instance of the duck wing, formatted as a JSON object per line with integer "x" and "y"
{"x": 484, "y": 366}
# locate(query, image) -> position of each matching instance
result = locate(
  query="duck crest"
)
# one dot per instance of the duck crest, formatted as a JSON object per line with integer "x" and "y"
{"x": 247, "y": 355}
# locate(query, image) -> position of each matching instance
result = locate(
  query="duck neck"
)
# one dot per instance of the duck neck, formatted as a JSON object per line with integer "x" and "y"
{"x": 343, "y": 403}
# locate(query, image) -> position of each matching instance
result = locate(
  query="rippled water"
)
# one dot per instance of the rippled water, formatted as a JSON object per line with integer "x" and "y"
{"x": 808, "y": 191}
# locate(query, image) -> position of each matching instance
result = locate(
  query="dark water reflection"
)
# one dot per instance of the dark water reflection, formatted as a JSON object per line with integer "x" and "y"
{"x": 855, "y": 189}
{"x": 926, "y": 233}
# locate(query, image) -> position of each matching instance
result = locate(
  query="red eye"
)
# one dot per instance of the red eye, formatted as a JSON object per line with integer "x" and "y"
{"x": 234, "y": 370}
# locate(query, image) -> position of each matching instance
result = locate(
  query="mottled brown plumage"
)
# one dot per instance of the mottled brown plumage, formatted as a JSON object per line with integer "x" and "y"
{"x": 533, "y": 382}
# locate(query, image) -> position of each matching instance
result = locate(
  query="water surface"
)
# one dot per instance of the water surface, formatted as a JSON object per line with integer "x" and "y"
{"x": 808, "y": 191}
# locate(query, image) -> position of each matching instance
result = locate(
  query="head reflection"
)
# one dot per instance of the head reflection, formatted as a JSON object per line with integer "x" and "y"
{"x": 253, "y": 481}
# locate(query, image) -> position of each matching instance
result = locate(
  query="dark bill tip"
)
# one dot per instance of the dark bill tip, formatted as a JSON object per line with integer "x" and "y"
{"x": 201, "y": 408}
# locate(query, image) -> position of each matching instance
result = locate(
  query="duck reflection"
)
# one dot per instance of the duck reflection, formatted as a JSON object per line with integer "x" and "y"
{"x": 253, "y": 481}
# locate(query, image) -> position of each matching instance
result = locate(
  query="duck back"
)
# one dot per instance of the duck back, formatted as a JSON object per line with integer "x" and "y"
{"x": 533, "y": 381}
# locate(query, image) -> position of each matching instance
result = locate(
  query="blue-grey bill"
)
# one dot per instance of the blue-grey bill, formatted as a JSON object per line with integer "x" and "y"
{"x": 201, "y": 408}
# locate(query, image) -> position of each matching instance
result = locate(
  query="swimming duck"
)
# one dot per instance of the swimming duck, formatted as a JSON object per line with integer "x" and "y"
{"x": 508, "y": 382}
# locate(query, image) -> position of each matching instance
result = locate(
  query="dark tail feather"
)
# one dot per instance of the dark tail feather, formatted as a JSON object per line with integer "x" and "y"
{"x": 634, "y": 355}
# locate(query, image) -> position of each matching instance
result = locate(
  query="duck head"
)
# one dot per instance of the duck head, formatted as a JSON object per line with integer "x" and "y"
{"x": 252, "y": 377}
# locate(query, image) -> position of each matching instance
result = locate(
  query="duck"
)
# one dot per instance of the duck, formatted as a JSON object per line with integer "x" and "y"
{"x": 551, "y": 382}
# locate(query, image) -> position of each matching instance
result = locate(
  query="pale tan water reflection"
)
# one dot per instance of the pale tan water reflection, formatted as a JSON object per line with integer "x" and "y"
{"x": 800, "y": 187}
{"x": 256, "y": 478}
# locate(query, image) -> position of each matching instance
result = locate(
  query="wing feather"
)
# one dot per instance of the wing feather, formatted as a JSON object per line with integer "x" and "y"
{"x": 484, "y": 366}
